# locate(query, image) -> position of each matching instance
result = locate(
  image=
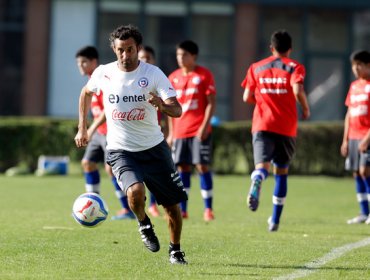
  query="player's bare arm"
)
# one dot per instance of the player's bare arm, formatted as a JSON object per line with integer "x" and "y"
{"x": 96, "y": 123}
{"x": 169, "y": 138}
{"x": 344, "y": 146}
{"x": 300, "y": 95}
{"x": 248, "y": 96}
{"x": 81, "y": 137}
{"x": 170, "y": 106}
{"x": 209, "y": 111}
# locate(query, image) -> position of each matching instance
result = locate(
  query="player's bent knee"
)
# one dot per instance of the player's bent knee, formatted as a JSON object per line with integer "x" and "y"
{"x": 202, "y": 168}
{"x": 364, "y": 171}
{"x": 184, "y": 168}
{"x": 88, "y": 166}
{"x": 136, "y": 191}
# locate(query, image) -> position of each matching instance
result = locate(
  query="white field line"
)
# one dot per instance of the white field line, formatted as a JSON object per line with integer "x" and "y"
{"x": 56, "y": 228}
{"x": 311, "y": 267}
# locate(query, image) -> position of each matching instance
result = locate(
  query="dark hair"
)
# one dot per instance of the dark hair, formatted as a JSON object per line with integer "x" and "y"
{"x": 89, "y": 52}
{"x": 361, "y": 56}
{"x": 124, "y": 32}
{"x": 281, "y": 41}
{"x": 149, "y": 50}
{"x": 189, "y": 46}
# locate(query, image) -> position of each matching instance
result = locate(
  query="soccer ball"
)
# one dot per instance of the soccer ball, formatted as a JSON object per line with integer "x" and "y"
{"x": 90, "y": 210}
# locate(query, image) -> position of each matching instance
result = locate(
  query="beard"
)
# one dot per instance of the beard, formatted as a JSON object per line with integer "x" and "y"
{"x": 128, "y": 65}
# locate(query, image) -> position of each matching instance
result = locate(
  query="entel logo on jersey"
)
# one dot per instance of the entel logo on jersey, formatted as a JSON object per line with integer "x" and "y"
{"x": 114, "y": 98}
{"x": 143, "y": 82}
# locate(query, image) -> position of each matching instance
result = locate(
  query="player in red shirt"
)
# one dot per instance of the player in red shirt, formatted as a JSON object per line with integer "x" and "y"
{"x": 356, "y": 136}
{"x": 274, "y": 84}
{"x": 190, "y": 135}
{"x": 87, "y": 61}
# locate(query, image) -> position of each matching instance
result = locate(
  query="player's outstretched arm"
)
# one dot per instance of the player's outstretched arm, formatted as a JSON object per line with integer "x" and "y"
{"x": 81, "y": 137}
{"x": 170, "y": 106}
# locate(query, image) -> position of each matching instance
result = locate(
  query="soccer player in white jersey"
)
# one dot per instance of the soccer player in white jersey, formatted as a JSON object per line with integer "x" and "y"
{"x": 87, "y": 59}
{"x": 133, "y": 92}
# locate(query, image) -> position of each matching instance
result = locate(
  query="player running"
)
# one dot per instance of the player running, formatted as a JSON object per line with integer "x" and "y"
{"x": 274, "y": 84}
{"x": 133, "y": 92}
{"x": 87, "y": 61}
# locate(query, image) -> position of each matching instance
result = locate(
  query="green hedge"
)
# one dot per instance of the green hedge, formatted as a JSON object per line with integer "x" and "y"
{"x": 318, "y": 149}
{"x": 22, "y": 140}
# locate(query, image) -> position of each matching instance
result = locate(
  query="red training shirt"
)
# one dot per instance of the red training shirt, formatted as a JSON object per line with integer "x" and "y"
{"x": 358, "y": 103}
{"x": 97, "y": 108}
{"x": 192, "y": 91}
{"x": 271, "y": 80}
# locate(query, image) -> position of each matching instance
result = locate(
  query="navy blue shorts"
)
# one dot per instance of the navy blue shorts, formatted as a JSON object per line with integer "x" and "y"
{"x": 269, "y": 146}
{"x": 154, "y": 167}
{"x": 192, "y": 151}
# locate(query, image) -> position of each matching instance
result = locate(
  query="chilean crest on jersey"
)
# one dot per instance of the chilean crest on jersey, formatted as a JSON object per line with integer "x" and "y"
{"x": 143, "y": 82}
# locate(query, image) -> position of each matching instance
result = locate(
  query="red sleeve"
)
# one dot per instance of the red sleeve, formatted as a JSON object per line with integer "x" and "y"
{"x": 298, "y": 75}
{"x": 210, "y": 81}
{"x": 100, "y": 98}
{"x": 249, "y": 80}
{"x": 348, "y": 102}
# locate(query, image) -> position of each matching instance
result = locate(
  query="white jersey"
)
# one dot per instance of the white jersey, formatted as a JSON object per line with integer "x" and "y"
{"x": 132, "y": 121}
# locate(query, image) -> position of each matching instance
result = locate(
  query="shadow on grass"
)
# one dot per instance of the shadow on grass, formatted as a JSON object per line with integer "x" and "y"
{"x": 267, "y": 267}
{"x": 288, "y": 267}
{"x": 297, "y": 267}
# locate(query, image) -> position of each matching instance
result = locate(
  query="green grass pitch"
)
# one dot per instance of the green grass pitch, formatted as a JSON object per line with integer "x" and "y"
{"x": 40, "y": 240}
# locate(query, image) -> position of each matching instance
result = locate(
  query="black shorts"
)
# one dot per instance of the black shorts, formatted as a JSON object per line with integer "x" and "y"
{"x": 192, "y": 151}
{"x": 154, "y": 167}
{"x": 96, "y": 148}
{"x": 269, "y": 146}
{"x": 355, "y": 159}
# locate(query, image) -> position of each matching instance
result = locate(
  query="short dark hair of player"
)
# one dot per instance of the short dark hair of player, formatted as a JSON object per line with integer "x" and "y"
{"x": 360, "y": 56}
{"x": 281, "y": 41}
{"x": 125, "y": 32}
{"x": 149, "y": 50}
{"x": 89, "y": 52}
{"x": 189, "y": 46}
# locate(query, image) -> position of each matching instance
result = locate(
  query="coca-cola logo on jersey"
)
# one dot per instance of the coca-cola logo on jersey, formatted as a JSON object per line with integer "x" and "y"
{"x": 136, "y": 114}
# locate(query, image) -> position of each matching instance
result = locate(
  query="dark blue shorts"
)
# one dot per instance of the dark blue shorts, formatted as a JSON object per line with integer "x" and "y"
{"x": 192, "y": 151}
{"x": 154, "y": 167}
{"x": 269, "y": 146}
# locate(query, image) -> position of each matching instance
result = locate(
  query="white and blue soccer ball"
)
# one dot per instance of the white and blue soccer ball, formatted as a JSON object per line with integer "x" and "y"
{"x": 90, "y": 210}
